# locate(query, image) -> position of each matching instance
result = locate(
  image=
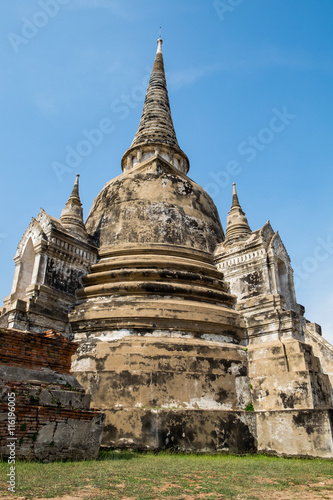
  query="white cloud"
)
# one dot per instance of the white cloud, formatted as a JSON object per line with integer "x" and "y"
{"x": 117, "y": 7}
{"x": 180, "y": 78}
{"x": 273, "y": 56}
{"x": 45, "y": 102}
{"x": 269, "y": 56}
{"x": 94, "y": 4}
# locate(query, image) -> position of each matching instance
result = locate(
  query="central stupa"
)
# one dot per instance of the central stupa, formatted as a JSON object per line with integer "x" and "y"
{"x": 160, "y": 339}
{"x": 156, "y": 231}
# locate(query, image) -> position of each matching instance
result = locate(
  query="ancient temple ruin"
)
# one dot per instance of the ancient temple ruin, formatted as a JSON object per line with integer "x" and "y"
{"x": 190, "y": 338}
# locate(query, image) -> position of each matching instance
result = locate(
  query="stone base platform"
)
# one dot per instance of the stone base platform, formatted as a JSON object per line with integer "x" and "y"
{"x": 169, "y": 373}
{"x": 158, "y": 393}
{"x": 192, "y": 395}
{"x": 196, "y": 431}
{"x": 303, "y": 433}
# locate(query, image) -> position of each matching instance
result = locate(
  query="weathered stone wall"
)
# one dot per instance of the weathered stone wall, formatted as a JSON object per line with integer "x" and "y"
{"x": 154, "y": 203}
{"x": 321, "y": 348}
{"x": 52, "y": 419}
{"x": 148, "y": 386}
{"x": 197, "y": 431}
{"x": 292, "y": 399}
{"x": 286, "y": 375}
{"x": 168, "y": 373}
{"x": 62, "y": 277}
{"x": 304, "y": 433}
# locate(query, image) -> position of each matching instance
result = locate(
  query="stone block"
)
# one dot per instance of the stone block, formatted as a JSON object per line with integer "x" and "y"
{"x": 167, "y": 373}
{"x": 305, "y": 433}
{"x": 287, "y": 390}
{"x": 182, "y": 430}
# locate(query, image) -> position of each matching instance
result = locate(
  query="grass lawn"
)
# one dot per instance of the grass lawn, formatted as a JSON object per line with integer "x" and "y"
{"x": 131, "y": 476}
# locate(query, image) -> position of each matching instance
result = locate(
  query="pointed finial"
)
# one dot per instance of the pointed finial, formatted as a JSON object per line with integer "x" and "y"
{"x": 160, "y": 35}
{"x": 235, "y": 201}
{"x": 238, "y": 228}
{"x": 72, "y": 215}
{"x": 75, "y": 191}
{"x": 159, "y": 44}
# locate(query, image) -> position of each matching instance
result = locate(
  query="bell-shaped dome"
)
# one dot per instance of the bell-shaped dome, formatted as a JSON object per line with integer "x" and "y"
{"x": 154, "y": 204}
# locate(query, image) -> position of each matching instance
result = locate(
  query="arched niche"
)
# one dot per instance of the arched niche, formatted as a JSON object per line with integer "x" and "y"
{"x": 26, "y": 269}
{"x": 284, "y": 284}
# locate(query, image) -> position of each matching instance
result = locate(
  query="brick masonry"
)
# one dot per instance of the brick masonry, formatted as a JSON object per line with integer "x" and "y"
{"x": 40, "y": 350}
{"x": 53, "y": 419}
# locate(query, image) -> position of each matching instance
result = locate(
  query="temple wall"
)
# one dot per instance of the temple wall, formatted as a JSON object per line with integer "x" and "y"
{"x": 196, "y": 431}
{"x": 152, "y": 383}
{"x": 42, "y": 405}
{"x": 321, "y": 348}
{"x": 303, "y": 433}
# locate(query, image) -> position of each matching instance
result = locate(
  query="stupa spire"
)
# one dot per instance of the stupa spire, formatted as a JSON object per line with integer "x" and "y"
{"x": 156, "y": 124}
{"x": 238, "y": 228}
{"x": 75, "y": 190}
{"x": 235, "y": 201}
{"x": 156, "y": 133}
{"x": 72, "y": 214}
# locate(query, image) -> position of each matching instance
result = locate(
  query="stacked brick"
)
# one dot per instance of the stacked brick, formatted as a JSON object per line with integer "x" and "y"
{"x": 39, "y": 350}
{"x": 52, "y": 419}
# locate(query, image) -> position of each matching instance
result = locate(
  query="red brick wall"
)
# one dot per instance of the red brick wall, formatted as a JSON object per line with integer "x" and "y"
{"x": 30, "y": 419}
{"x": 36, "y": 350}
{"x": 38, "y": 410}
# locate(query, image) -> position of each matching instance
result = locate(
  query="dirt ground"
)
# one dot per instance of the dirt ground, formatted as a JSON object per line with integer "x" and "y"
{"x": 304, "y": 492}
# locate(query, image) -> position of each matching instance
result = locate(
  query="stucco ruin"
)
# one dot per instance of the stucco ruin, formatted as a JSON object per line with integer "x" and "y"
{"x": 51, "y": 258}
{"x": 52, "y": 416}
{"x": 189, "y": 338}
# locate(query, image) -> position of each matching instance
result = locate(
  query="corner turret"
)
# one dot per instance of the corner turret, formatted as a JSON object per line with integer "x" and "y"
{"x": 72, "y": 214}
{"x": 238, "y": 228}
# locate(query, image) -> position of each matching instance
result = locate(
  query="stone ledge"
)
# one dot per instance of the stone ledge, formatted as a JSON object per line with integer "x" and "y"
{"x": 182, "y": 430}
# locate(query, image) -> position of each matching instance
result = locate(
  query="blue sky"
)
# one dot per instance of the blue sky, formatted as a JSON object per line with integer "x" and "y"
{"x": 250, "y": 84}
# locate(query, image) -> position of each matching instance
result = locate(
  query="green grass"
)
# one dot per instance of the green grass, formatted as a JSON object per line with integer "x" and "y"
{"x": 147, "y": 476}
